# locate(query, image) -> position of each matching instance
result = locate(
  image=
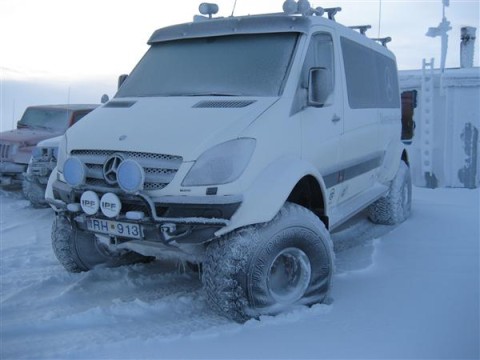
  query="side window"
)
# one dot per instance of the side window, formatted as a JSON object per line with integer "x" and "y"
{"x": 320, "y": 54}
{"x": 387, "y": 87}
{"x": 371, "y": 77}
{"x": 360, "y": 74}
{"x": 78, "y": 115}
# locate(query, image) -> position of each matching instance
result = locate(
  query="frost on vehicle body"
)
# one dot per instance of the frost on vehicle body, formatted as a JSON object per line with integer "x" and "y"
{"x": 259, "y": 133}
{"x": 37, "y": 123}
{"x": 43, "y": 161}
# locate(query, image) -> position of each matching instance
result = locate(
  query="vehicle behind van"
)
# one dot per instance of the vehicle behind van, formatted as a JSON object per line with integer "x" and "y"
{"x": 37, "y": 123}
{"x": 238, "y": 144}
{"x": 35, "y": 179}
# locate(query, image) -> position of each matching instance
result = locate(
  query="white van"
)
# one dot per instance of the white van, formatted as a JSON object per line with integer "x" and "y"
{"x": 237, "y": 144}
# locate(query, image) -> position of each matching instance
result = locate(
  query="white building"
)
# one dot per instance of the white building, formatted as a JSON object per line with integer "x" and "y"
{"x": 445, "y": 148}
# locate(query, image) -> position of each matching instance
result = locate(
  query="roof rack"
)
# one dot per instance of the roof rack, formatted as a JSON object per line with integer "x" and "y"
{"x": 383, "y": 41}
{"x": 361, "y": 28}
{"x": 332, "y": 12}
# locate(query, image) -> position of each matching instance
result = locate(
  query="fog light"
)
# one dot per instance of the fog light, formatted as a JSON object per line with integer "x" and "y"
{"x": 110, "y": 205}
{"x": 130, "y": 176}
{"x": 74, "y": 172}
{"x": 135, "y": 215}
{"x": 74, "y": 208}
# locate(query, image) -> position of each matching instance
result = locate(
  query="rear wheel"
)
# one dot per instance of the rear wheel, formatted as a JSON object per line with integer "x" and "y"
{"x": 80, "y": 251}
{"x": 396, "y": 206}
{"x": 265, "y": 269}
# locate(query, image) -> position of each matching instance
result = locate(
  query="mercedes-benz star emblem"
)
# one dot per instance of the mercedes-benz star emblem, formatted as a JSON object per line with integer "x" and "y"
{"x": 110, "y": 168}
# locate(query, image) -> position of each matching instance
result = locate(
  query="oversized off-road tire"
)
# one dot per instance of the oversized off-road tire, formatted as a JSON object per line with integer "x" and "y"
{"x": 80, "y": 251}
{"x": 396, "y": 206}
{"x": 267, "y": 268}
{"x": 34, "y": 192}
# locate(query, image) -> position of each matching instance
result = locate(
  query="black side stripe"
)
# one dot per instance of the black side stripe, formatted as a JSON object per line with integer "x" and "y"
{"x": 339, "y": 176}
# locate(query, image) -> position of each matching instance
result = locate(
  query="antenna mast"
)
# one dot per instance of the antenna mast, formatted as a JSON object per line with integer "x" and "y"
{"x": 379, "y": 16}
{"x": 441, "y": 30}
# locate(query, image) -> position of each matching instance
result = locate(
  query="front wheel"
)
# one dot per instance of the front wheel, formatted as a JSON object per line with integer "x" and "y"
{"x": 80, "y": 251}
{"x": 267, "y": 268}
{"x": 34, "y": 192}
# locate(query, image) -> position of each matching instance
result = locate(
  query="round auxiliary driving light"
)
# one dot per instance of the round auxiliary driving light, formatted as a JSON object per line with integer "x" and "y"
{"x": 290, "y": 7}
{"x": 130, "y": 176}
{"x": 304, "y": 7}
{"x": 208, "y": 9}
{"x": 74, "y": 172}
{"x": 110, "y": 205}
{"x": 90, "y": 202}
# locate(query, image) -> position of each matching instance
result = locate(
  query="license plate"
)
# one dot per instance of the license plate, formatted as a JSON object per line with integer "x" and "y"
{"x": 115, "y": 228}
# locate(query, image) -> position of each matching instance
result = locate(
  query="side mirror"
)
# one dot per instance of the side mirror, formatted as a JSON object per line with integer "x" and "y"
{"x": 121, "y": 80}
{"x": 320, "y": 86}
{"x": 104, "y": 99}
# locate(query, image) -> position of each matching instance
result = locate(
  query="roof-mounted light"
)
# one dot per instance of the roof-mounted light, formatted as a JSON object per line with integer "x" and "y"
{"x": 208, "y": 9}
{"x": 302, "y": 7}
{"x": 290, "y": 7}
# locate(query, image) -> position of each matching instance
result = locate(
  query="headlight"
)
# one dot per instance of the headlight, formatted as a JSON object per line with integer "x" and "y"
{"x": 37, "y": 153}
{"x": 13, "y": 150}
{"x": 45, "y": 153}
{"x": 55, "y": 152}
{"x": 74, "y": 172}
{"x": 221, "y": 164}
{"x": 130, "y": 176}
{"x": 61, "y": 154}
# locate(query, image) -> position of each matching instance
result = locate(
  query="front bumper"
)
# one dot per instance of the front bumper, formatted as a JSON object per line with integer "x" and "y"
{"x": 39, "y": 171}
{"x": 168, "y": 219}
{"x": 11, "y": 173}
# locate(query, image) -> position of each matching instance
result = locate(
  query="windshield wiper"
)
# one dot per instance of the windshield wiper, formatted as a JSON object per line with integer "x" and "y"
{"x": 41, "y": 127}
{"x": 206, "y": 94}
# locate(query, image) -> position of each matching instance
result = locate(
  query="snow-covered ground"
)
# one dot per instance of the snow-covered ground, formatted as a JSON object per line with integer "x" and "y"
{"x": 405, "y": 292}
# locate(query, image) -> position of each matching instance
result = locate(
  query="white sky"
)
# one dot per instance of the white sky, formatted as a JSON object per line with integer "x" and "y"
{"x": 80, "y": 39}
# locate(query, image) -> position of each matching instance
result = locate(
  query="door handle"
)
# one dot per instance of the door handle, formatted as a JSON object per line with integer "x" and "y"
{"x": 335, "y": 118}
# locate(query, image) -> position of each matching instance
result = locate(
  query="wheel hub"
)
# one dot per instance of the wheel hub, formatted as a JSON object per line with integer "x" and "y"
{"x": 289, "y": 276}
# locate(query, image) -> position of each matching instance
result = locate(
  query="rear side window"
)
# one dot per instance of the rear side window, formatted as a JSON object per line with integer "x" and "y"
{"x": 371, "y": 77}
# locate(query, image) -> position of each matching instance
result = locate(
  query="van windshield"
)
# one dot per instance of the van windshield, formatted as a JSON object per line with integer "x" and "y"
{"x": 50, "y": 119}
{"x": 233, "y": 65}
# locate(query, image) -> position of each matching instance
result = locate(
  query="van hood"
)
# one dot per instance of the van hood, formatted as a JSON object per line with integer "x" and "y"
{"x": 26, "y": 136}
{"x": 51, "y": 142}
{"x": 179, "y": 126}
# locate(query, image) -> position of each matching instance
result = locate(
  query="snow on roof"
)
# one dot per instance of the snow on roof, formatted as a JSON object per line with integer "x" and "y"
{"x": 265, "y": 23}
{"x": 234, "y": 25}
{"x": 72, "y": 107}
{"x": 452, "y": 77}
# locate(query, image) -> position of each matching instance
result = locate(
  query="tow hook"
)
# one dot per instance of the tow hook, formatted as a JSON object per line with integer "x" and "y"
{"x": 169, "y": 232}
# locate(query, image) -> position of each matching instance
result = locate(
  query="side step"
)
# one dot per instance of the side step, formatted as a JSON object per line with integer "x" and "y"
{"x": 350, "y": 208}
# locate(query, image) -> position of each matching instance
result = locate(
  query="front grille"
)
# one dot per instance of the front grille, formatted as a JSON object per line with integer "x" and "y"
{"x": 4, "y": 151}
{"x": 160, "y": 169}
